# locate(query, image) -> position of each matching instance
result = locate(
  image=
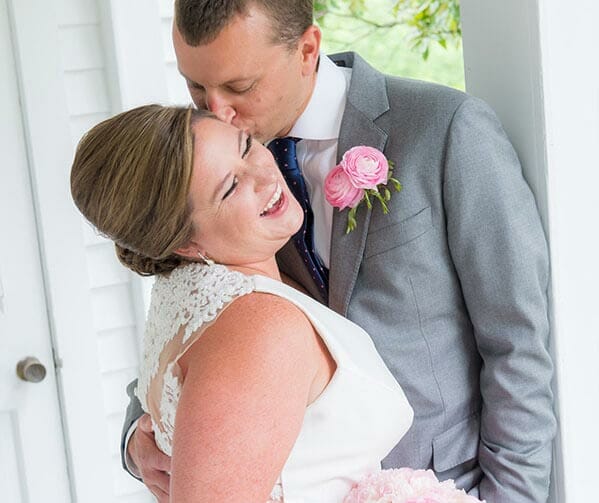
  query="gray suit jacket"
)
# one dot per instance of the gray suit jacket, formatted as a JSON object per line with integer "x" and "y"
{"x": 451, "y": 285}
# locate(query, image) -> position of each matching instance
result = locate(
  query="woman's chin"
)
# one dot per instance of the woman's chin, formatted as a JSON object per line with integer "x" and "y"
{"x": 294, "y": 229}
{"x": 291, "y": 221}
{"x": 288, "y": 233}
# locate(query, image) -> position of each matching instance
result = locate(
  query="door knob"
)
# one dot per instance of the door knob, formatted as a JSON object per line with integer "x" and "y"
{"x": 30, "y": 369}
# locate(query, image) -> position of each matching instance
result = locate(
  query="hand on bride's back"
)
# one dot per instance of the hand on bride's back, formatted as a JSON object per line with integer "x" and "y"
{"x": 153, "y": 465}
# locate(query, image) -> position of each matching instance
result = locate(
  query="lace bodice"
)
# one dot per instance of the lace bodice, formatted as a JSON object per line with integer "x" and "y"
{"x": 362, "y": 395}
{"x": 189, "y": 298}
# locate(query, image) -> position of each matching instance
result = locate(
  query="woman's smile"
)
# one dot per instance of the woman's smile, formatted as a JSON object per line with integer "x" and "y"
{"x": 275, "y": 203}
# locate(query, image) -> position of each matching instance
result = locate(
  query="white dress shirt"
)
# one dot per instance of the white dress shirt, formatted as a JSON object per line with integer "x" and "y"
{"x": 318, "y": 127}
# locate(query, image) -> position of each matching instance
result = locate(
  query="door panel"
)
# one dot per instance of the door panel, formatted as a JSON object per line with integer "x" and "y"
{"x": 33, "y": 463}
{"x": 11, "y": 457}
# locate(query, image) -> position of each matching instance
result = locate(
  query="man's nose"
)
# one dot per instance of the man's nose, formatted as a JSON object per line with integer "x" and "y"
{"x": 220, "y": 107}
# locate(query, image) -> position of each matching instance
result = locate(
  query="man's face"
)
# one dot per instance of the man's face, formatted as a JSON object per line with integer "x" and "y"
{"x": 247, "y": 80}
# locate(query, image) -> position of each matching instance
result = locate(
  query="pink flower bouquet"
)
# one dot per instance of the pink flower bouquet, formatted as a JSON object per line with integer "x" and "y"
{"x": 405, "y": 485}
{"x": 362, "y": 175}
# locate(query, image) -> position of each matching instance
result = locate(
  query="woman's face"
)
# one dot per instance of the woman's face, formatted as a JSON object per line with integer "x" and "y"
{"x": 242, "y": 209}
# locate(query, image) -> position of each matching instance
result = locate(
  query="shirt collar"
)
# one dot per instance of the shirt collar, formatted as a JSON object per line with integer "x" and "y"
{"x": 321, "y": 120}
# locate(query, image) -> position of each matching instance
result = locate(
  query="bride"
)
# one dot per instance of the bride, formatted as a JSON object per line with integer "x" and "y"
{"x": 256, "y": 390}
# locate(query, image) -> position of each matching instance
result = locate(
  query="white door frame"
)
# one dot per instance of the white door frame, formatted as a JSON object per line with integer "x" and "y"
{"x": 31, "y": 431}
{"x": 48, "y": 135}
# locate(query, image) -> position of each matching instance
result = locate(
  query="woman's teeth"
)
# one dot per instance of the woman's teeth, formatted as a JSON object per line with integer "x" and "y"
{"x": 273, "y": 200}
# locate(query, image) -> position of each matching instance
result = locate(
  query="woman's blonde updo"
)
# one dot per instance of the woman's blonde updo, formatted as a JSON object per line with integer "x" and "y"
{"x": 130, "y": 178}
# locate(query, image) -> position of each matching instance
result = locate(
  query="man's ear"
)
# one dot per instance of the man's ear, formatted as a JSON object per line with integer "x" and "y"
{"x": 309, "y": 47}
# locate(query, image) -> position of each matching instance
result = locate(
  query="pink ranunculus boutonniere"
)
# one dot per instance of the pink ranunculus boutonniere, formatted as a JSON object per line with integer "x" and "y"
{"x": 362, "y": 174}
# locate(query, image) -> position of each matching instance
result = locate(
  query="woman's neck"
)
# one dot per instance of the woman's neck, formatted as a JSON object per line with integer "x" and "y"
{"x": 267, "y": 268}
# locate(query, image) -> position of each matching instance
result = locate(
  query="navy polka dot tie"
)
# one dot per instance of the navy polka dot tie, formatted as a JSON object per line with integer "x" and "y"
{"x": 283, "y": 150}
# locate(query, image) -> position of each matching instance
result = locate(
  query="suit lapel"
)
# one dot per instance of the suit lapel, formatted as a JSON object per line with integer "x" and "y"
{"x": 366, "y": 101}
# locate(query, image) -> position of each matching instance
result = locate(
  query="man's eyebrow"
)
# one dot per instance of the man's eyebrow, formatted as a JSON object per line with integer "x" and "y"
{"x": 229, "y": 82}
{"x": 240, "y": 79}
{"x": 191, "y": 81}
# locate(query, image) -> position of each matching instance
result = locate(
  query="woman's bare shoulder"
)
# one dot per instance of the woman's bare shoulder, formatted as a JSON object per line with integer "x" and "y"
{"x": 266, "y": 309}
{"x": 248, "y": 381}
{"x": 257, "y": 323}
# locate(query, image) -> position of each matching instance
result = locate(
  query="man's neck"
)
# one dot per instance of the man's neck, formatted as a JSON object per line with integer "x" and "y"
{"x": 309, "y": 94}
{"x": 322, "y": 115}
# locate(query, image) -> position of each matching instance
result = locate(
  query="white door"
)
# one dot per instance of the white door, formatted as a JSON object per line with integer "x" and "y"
{"x": 33, "y": 465}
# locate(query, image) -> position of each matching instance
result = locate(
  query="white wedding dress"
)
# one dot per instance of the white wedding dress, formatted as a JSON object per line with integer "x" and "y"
{"x": 354, "y": 423}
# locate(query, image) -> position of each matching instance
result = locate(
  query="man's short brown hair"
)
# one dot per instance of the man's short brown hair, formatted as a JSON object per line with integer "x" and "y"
{"x": 200, "y": 21}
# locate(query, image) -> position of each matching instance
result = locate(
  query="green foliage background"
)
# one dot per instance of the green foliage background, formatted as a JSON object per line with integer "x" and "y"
{"x": 420, "y": 39}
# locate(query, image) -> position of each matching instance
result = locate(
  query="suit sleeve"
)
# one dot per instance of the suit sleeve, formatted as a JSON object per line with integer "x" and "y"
{"x": 500, "y": 253}
{"x": 134, "y": 412}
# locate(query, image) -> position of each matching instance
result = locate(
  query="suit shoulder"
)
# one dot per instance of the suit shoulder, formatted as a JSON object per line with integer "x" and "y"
{"x": 420, "y": 95}
{"x": 429, "y": 108}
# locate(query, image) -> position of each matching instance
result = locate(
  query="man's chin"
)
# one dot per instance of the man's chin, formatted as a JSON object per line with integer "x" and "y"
{"x": 261, "y": 137}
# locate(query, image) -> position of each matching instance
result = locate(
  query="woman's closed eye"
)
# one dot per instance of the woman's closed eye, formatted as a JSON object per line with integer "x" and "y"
{"x": 231, "y": 188}
{"x": 248, "y": 146}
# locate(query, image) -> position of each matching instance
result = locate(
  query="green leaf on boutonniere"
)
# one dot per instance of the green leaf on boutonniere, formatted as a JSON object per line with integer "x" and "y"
{"x": 377, "y": 194}
{"x": 351, "y": 220}
{"x": 396, "y": 184}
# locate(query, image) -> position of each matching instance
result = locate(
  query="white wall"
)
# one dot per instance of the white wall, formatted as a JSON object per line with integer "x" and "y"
{"x": 177, "y": 90}
{"x": 571, "y": 75}
{"x": 114, "y": 326}
{"x": 151, "y": 28}
{"x": 85, "y": 60}
{"x": 535, "y": 63}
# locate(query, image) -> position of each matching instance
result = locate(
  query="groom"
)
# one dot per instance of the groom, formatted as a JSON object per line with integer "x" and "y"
{"x": 451, "y": 284}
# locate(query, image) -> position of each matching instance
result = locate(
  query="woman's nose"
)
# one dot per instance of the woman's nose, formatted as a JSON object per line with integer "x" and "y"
{"x": 264, "y": 176}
